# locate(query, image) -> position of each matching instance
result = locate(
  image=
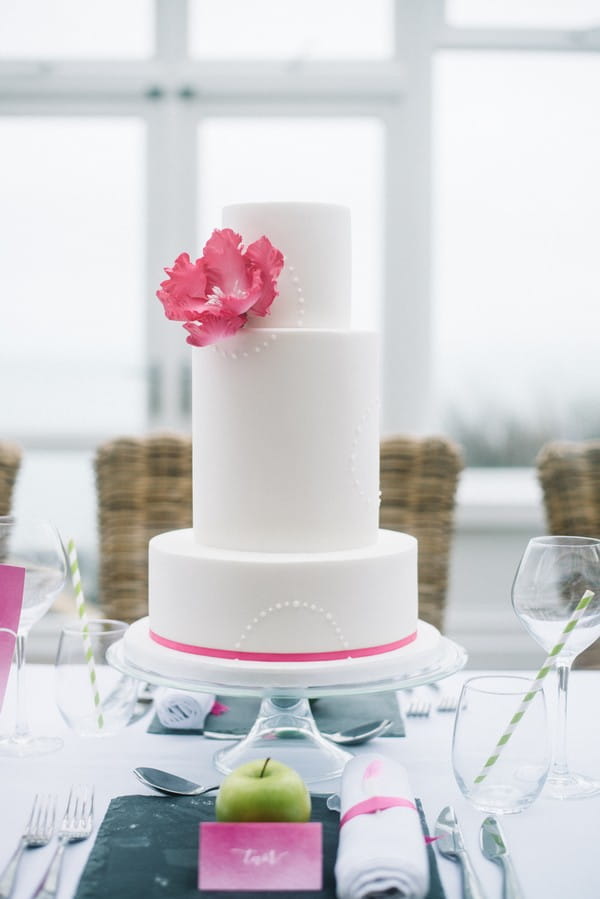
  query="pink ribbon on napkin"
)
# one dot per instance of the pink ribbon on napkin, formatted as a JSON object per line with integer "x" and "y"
{"x": 379, "y": 804}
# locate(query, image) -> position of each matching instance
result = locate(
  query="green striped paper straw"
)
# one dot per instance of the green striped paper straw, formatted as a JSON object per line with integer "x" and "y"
{"x": 535, "y": 686}
{"x": 85, "y": 630}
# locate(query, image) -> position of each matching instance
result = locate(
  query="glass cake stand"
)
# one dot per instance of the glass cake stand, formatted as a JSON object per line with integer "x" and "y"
{"x": 285, "y": 727}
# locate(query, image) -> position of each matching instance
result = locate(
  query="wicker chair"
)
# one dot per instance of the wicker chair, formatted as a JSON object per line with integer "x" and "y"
{"x": 10, "y": 461}
{"x": 144, "y": 487}
{"x": 569, "y": 475}
{"x": 419, "y": 478}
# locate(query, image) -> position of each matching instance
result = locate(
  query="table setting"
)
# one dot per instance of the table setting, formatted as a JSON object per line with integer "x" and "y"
{"x": 435, "y": 805}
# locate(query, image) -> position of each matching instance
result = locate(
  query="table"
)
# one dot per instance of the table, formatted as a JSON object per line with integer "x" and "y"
{"x": 554, "y": 844}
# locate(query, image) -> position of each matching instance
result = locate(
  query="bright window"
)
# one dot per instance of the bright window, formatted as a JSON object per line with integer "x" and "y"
{"x": 70, "y": 29}
{"x": 72, "y": 342}
{"x": 272, "y": 29}
{"x": 517, "y": 270}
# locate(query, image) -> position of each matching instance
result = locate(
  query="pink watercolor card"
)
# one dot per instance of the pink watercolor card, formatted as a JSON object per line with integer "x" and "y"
{"x": 12, "y": 583}
{"x": 260, "y": 856}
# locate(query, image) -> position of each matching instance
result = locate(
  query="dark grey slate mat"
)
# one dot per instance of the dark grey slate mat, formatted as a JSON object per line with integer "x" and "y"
{"x": 147, "y": 846}
{"x": 332, "y": 713}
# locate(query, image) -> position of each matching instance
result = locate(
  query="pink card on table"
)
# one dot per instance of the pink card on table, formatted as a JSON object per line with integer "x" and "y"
{"x": 12, "y": 583}
{"x": 260, "y": 856}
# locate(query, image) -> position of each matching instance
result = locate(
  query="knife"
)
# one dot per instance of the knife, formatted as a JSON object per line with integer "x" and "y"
{"x": 451, "y": 844}
{"x": 493, "y": 846}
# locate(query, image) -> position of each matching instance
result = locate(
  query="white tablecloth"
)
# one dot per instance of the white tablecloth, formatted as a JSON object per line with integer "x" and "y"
{"x": 554, "y": 844}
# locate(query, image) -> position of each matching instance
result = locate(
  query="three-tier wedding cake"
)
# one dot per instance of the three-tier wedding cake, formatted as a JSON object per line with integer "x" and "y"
{"x": 285, "y": 564}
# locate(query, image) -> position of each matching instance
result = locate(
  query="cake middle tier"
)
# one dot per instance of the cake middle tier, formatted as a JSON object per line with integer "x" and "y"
{"x": 286, "y": 441}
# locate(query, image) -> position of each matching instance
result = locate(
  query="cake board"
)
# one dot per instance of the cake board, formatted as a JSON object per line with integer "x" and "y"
{"x": 285, "y": 727}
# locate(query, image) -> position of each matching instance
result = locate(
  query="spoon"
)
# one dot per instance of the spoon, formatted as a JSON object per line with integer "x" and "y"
{"x": 353, "y": 736}
{"x": 170, "y": 784}
{"x": 361, "y": 733}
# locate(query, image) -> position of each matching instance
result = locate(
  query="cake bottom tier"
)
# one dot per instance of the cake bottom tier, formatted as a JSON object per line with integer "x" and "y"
{"x": 278, "y": 607}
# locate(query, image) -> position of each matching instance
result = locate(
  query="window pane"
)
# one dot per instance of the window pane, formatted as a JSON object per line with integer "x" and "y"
{"x": 74, "y": 30}
{"x": 517, "y": 269}
{"x": 524, "y": 13}
{"x": 320, "y": 160}
{"x": 272, "y": 29}
{"x": 71, "y": 239}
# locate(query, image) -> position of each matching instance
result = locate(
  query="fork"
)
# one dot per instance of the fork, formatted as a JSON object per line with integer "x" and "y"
{"x": 38, "y": 832}
{"x": 418, "y": 708}
{"x": 76, "y": 825}
{"x": 447, "y": 703}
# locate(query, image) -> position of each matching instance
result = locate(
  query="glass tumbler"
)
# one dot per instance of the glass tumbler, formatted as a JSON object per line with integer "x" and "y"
{"x": 94, "y": 698}
{"x": 500, "y": 747}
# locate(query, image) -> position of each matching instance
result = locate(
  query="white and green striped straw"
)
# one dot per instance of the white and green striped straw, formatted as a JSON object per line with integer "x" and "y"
{"x": 85, "y": 629}
{"x": 536, "y": 685}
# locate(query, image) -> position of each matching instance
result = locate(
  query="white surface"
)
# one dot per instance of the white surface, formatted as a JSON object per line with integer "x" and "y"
{"x": 314, "y": 285}
{"x": 426, "y": 658}
{"x": 554, "y": 844}
{"x": 286, "y": 441}
{"x": 283, "y": 602}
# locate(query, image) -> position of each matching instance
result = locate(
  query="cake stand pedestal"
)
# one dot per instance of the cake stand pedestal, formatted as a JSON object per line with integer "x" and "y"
{"x": 285, "y": 728}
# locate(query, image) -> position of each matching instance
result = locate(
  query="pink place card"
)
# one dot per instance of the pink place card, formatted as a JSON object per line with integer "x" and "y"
{"x": 12, "y": 582}
{"x": 260, "y": 856}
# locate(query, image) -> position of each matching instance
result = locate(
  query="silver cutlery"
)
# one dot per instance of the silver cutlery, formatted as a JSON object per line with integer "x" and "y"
{"x": 447, "y": 703}
{"x": 76, "y": 825}
{"x": 352, "y": 736}
{"x": 450, "y": 844}
{"x": 493, "y": 845}
{"x": 171, "y": 784}
{"x": 38, "y": 832}
{"x": 418, "y": 708}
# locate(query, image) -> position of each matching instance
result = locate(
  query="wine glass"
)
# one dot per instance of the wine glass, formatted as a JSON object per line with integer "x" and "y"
{"x": 32, "y": 544}
{"x": 551, "y": 578}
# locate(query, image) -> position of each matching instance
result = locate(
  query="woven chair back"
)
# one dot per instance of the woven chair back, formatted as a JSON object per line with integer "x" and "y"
{"x": 10, "y": 462}
{"x": 569, "y": 475}
{"x": 419, "y": 478}
{"x": 143, "y": 487}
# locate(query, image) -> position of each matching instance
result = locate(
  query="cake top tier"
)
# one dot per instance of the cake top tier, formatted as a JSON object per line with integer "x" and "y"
{"x": 314, "y": 285}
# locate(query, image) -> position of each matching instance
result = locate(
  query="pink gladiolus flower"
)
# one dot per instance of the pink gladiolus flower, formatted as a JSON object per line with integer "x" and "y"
{"x": 215, "y": 294}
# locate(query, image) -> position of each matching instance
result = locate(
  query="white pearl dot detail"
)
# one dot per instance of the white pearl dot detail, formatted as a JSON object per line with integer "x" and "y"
{"x": 265, "y": 340}
{"x": 300, "y": 299}
{"x": 357, "y": 435}
{"x": 296, "y": 605}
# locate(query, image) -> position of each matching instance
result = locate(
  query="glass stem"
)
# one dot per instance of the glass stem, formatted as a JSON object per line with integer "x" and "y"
{"x": 560, "y": 767}
{"x": 21, "y": 725}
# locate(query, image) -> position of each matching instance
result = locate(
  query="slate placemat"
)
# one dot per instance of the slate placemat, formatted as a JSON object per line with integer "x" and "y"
{"x": 148, "y": 846}
{"x": 331, "y": 713}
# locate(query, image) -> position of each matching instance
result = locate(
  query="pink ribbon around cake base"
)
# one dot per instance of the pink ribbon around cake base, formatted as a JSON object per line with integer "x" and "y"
{"x": 283, "y": 656}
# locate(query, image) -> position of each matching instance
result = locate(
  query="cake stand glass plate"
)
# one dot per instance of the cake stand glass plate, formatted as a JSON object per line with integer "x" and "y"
{"x": 285, "y": 727}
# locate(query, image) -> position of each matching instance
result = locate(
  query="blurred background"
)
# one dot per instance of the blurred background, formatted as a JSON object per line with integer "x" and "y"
{"x": 465, "y": 137}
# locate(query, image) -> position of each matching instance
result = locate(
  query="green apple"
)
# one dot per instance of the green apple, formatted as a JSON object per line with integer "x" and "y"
{"x": 263, "y": 790}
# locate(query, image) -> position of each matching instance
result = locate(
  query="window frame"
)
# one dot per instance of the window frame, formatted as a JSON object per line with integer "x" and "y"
{"x": 171, "y": 93}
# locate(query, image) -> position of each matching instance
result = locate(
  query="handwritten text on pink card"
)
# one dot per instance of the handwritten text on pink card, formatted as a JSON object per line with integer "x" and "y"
{"x": 260, "y": 856}
{"x": 12, "y": 583}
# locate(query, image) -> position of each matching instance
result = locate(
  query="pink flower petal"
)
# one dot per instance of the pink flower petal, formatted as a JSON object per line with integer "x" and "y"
{"x": 225, "y": 268}
{"x": 212, "y": 325}
{"x": 269, "y": 262}
{"x": 219, "y": 708}
{"x": 183, "y": 292}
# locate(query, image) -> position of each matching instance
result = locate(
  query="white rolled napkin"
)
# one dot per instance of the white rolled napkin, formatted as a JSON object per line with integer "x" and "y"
{"x": 383, "y": 852}
{"x": 182, "y": 711}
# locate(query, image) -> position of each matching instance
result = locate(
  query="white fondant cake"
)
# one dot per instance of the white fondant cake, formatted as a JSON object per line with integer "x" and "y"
{"x": 285, "y": 561}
